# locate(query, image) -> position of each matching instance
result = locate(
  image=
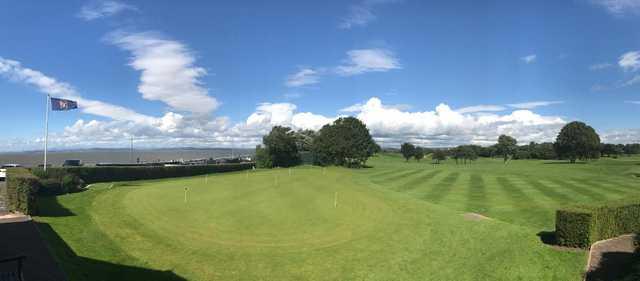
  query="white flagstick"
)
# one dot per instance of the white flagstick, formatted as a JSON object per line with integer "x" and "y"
{"x": 335, "y": 200}
{"x": 185, "y": 194}
{"x": 247, "y": 174}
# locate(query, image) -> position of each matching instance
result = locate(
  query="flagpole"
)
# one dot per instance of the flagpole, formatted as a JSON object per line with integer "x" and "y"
{"x": 46, "y": 131}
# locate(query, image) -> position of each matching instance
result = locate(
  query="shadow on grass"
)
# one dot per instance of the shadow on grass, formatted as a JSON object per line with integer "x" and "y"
{"x": 50, "y": 207}
{"x": 82, "y": 268}
{"x": 565, "y": 163}
{"x": 548, "y": 237}
{"x": 614, "y": 266}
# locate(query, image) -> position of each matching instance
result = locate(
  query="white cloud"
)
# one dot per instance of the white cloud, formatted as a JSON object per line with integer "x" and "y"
{"x": 630, "y": 61}
{"x": 368, "y": 60}
{"x": 446, "y": 127}
{"x": 529, "y": 59}
{"x": 168, "y": 71}
{"x": 632, "y": 81}
{"x": 619, "y": 7}
{"x": 621, "y": 136}
{"x": 481, "y": 108}
{"x": 533, "y": 104}
{"x": 600, "y": 66}
{"x": 362, "y": 14}
{"x": 100, "y": 9}
{"x": 14, "y": 71}
{"x": 633, "y": 102}
{"x": 305, "y": 76}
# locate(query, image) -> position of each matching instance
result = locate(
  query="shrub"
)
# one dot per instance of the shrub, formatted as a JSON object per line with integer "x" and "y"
{"x": 106, "y": 174}
{"x": 51, "y": 186}
{"x": 22, "y": 187}
{"x": 581, "y": 226}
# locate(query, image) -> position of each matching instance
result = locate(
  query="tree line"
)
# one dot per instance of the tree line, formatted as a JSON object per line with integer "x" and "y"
{"x": 576, "y": 141}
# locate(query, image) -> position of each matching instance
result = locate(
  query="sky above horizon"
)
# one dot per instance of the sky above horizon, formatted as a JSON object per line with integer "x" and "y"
{"x": 221, "y": 74}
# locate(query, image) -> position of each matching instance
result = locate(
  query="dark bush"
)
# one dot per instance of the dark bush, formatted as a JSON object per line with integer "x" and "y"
{"x": 107, "y": 174}
{"x": 51, "y": 186}
{"x": 22, "y": 187}
{"x": 583, "y": 225}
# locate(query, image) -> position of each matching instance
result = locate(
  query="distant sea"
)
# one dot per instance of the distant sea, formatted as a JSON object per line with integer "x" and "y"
{"x": 93, "y": 156}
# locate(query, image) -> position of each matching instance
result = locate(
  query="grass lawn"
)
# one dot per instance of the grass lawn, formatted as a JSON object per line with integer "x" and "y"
{"x": 395, "y": 221}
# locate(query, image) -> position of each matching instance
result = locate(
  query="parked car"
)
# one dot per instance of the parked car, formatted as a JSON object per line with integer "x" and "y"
{"x": 72, "y": 163}
{"x": 11, "y": 166}
{"x": 3, "y": 174}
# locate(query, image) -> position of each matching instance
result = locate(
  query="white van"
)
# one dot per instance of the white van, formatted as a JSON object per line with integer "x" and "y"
{"x": 3, "y": 174}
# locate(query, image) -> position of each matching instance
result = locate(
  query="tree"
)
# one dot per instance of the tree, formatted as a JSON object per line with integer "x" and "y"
{"x": 577, "y": 140}
{"x": 263, "y": 159}
{"x": 304, "y": 139}
{"x": 407, "y": 150}
{"x": 506, "y": 146}
{"x": 439, "y": 155}
{"x": 281, "y": 146}
{"x": 632, "y": 148}
{"x": 418, "y": 153}
{"x": 345, "y": 142}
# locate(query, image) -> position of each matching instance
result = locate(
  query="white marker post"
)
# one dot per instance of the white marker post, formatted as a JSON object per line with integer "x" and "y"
{"x": 247, "y": 174}
{"x": 185, "y": 194}
{"x": 335, "y": 200}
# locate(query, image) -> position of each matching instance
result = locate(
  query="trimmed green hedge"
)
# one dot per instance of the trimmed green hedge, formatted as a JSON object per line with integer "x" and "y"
{"x": 107, "y": 174}
{"x": 22, "y": 187}
{"x": 581, "y": 226}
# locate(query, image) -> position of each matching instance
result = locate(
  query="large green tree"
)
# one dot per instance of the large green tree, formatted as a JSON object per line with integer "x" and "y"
{"x": 407, "y": 150}
{"x": 577, "y": 140}
{"x": 439, "y": 155}
{"x": 345, "y": 142}
{"x": 506, "y": 146}
{"x": 281, "y": 147}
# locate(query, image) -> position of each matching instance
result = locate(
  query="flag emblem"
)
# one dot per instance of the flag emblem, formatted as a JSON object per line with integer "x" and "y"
{"x": 62, "y": 104}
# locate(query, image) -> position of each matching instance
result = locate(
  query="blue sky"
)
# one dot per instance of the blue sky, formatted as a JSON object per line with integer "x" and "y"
{"x": 211, "y": 73}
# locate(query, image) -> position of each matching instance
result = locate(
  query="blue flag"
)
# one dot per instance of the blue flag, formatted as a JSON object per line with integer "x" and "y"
{"x": 62, "y": 104}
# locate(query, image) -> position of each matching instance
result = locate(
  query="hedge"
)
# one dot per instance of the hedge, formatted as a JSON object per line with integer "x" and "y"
{"x": 581, "y": 226}
{"x": 107, "y": 174}
{"x": 22, "y": 187}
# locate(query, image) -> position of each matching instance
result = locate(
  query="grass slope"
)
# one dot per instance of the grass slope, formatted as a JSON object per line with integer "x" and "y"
{"x": 396, "y": 221}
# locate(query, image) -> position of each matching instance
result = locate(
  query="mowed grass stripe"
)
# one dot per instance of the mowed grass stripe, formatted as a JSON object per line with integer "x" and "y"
{"x": 442, "y": 189}
{"x": 384, "y": 173}
{"x": 392, "y": 180}
{"x": 477, "y": 200}
{"x": 417, "y": 182}
{"x": 609, "y": 191}
{"x": 548, "y": 191}
{"x": 582, "y": 190}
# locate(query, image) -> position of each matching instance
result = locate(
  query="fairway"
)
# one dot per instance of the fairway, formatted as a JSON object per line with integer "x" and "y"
{"x": 394, "y": 221}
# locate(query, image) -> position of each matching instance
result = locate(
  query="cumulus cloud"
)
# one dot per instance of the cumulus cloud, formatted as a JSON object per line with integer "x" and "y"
{"x": 362, "y": 13}
{"x": 304, "y": 76}
{"x": 529, "y": 59}
{"x": 14, "y": 71}
{"x": 168, "y": 71}
{"x": 630, "y": 61}
{"x": 368, "y": 60}
{"x": 101, "y": 9}
{"x": 621, "y": 136}
{"x": 533, "y": 104}
{"x": 445, "y": 126}
{"x": 619, "y": 7}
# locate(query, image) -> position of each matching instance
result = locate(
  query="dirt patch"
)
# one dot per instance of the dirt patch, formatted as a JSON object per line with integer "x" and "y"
{"x": 475, "y": 217}
{"x": 611, "y": 259}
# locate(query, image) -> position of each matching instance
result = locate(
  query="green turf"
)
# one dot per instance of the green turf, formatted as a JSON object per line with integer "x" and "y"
{"x": 395, "y": 221}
